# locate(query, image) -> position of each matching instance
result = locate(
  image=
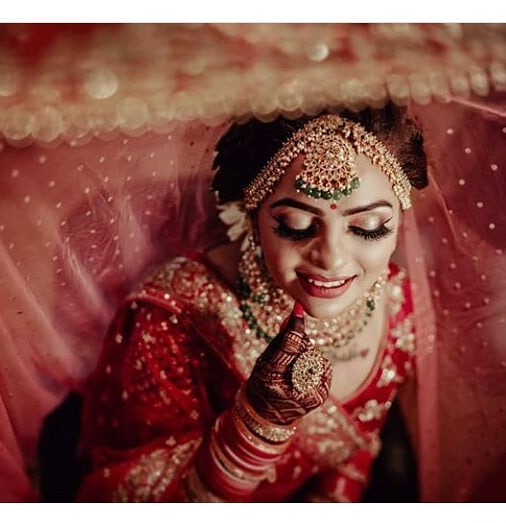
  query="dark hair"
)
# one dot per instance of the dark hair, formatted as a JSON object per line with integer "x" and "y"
{"x": 246, "y": 148}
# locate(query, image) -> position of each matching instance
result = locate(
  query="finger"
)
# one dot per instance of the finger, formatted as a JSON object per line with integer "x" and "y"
{"x": 289, "y": 343}
{"x": 296, "y": 319}
{"x": 283, "y": 350}
{"x": 293, "y": 343}
{"x": 298, "y": 310}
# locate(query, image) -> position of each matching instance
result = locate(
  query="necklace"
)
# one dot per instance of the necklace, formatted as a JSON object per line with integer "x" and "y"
{"x": 264, "y": 306}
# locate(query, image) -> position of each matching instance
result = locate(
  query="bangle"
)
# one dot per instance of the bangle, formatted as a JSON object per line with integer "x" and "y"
{"x": 254, "y": 444}
{"x": 229, "y": 467}
{"x": 257, "y": 425}
{"x": 196, "y": 491}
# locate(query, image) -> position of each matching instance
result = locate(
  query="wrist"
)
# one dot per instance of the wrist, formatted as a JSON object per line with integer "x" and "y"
{"x": 268, "y": 431}
{"x": 234, "y": 459}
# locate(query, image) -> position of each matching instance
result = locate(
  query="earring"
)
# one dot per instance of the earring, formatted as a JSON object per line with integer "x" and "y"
{"x": 254, "y": 280}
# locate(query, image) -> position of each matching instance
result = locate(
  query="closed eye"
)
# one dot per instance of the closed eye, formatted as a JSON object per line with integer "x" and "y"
{"x": 289, "y": 233}
{"x": 373, "y": 234}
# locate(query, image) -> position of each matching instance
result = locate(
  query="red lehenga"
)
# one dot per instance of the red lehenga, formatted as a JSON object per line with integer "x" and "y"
{"x": 173, "y": 360}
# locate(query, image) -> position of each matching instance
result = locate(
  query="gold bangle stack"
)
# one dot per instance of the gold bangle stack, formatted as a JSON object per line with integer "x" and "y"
{"x": 259, "y": 426}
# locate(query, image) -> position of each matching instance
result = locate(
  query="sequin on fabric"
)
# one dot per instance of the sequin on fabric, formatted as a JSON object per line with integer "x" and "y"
{"x": 330, "y": 437}
{"x": 150, "y": 477}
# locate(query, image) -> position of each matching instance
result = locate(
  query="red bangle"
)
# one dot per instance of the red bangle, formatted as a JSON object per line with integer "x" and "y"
{"x": 233, "y": 460}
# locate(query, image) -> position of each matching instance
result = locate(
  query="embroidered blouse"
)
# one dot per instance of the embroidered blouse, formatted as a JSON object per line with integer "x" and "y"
{"x": 173, "y": 359}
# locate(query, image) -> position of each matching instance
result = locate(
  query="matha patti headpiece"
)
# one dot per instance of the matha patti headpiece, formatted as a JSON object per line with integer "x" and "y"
{"x": 330, "y": 145}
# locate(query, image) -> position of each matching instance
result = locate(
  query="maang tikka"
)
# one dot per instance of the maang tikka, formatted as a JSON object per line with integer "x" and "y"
{"x": 330, "y": 145}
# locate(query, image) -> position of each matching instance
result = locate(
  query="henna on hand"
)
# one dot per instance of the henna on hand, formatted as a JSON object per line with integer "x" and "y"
{"x": 283, "y": 387}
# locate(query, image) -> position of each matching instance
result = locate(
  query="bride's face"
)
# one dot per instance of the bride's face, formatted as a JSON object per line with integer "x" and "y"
{"x": 326, "y": 254}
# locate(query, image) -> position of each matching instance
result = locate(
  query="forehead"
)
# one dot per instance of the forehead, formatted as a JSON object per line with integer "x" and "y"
{"x": 374, "y": 185}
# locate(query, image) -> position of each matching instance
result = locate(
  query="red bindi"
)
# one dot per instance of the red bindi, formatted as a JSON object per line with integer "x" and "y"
{"x": 333, "y": 206}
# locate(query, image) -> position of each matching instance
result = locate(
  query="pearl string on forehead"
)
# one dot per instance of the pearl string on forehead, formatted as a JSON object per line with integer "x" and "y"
{"x": 330, "y": 145}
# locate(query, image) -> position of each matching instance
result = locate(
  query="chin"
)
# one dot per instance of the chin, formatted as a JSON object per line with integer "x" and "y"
{"x": 326, "y": 308}
{"x": 321, "y": 308}
{"x": 323, "y": 311}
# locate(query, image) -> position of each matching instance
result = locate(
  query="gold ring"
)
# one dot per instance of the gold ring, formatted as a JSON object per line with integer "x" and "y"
{"x": 307, "y": 371}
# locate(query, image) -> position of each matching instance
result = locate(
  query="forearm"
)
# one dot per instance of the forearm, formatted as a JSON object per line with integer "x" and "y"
{"x": 240, "y": 452}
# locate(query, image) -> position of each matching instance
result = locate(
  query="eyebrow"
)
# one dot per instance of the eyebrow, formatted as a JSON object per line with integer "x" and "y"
{"x": 368, "y": 207}
{"x": 291, "y": 202}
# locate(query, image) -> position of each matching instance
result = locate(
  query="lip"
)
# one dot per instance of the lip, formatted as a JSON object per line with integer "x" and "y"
{"x": 318, "y": 286}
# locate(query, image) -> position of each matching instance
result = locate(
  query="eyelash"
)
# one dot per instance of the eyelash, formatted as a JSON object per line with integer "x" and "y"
{"x": 376, "y": 234}
{"x": 295, "y": 235}
{"x": 287, "y": 233}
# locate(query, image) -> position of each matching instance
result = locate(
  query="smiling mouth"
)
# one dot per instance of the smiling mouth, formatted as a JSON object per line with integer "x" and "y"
{"x": 321, "y": 281}
{"x": 326, "y": 284}
{"x": 320, "y": 287}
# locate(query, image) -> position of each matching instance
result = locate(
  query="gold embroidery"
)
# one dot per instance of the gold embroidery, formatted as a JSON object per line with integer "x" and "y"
{"x": 191, "y": 284}
{"x": 396, "y": 292}
{"x": 148, "y": 338}
{"x": 404, "y": 335}
{"x": 352, "y": 472}
{"x": 150, "y": 477}
{"x": 328, "y": 436}
{"x": 338, "y": 493}
{"x": 389, "y": 372}
{"x": 372, "y": 409}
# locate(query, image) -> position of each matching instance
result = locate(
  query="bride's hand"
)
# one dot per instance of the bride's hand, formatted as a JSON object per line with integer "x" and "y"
{"x": 289, "y": 378}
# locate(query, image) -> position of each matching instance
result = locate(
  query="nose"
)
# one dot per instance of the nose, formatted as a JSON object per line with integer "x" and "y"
{"x": 330, "y": 253}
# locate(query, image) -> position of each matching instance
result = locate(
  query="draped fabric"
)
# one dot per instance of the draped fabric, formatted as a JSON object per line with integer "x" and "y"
{"x": 79, "y": 226}
{"x": 68, "y": 83}
{"x": 87, "y": 211}
{"x": 458, "y": 261}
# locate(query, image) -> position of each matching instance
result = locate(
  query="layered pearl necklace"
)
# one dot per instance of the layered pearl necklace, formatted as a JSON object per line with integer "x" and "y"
{"x": 265, "y": 306}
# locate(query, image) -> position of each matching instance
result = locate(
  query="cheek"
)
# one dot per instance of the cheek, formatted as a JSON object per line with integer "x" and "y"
{"x": 276, "y": 255}
{"x": 280, "y": 258}
{"x": 377, "y": 255}
{"x": 279, "y": 255}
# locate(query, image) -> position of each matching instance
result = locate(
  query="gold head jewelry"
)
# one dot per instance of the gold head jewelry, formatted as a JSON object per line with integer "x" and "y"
{"x": 264, "y": 306}
{"x": 330, "y": 145}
